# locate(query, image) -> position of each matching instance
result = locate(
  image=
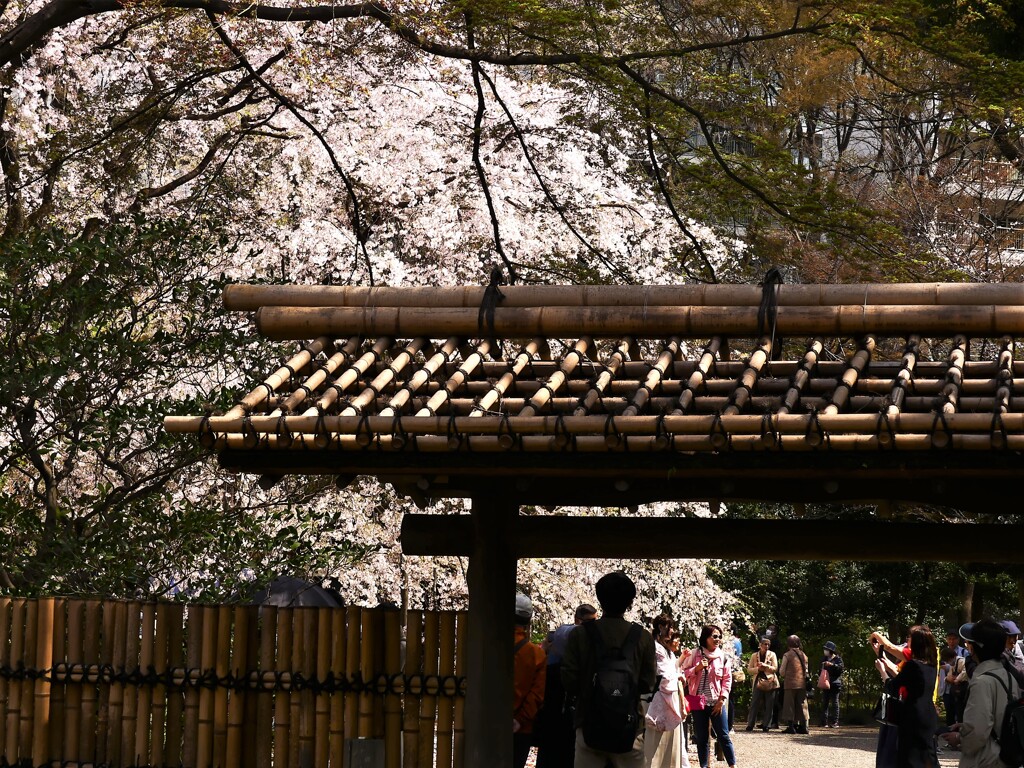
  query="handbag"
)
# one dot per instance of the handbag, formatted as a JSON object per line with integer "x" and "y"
{"x": 664, "y": 714}
{"x": 823, "y": 681}
{"x": 887, "y": 709}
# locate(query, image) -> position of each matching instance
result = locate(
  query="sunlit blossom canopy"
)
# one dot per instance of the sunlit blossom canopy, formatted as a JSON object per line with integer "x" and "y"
{"x": 627, "y": 394}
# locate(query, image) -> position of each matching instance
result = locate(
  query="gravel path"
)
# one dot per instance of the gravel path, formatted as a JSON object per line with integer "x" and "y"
{"x": 846, "y": 747}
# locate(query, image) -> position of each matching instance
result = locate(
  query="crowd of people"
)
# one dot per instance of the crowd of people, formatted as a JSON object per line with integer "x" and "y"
{"x": 605, "y": 692}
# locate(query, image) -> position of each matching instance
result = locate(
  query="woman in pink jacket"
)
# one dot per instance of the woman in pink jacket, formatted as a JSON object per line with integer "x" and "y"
{"x": 709, "y": 674}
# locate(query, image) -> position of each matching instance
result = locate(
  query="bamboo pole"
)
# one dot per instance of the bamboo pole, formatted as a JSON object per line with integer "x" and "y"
{"x": 377, "y": 617}
{"x": 428, "y": 702}
{"x": 283, "y": 736}
{"x": 265, "y": 702}
{"x": 239, "y": 666}
{"x": 367, "y": 641}
{"x": 446, "y": 697}
{"x": 177, "y": 658}
{"x": 130, "y": 722}
{"x": 281, "y": 323}
{"x": 302, "y": 702}
{"x": 350, "y": 376}
{"x": 352, "y": 656}
{"x": 392, "y": 701}
{"x": 423, "y": 375}
{"x": 413, "y": 692}
{"x": 40, "y": 723}
{"x": 59, "y": 688}
{"x": 156, "y": 618}
{"x": 745, "y": 423}
{"x": 92, "y": 657}
{"x": 74, "y": 662}
{"x": 322, "y": 373}
{"x": 15, "y": 688}
{"x": 338, "y": 655}
{"x": 145, "y": 706}
{"x": 251, "y": 669}
{"x": 273, "y": 382}
{"x": 221, "y": 666}
{"x": 459, "y": 724}
{"x": 322, "y": 747}
{"x": 194, "y": 665}
{"x": 206, "y": 725}
{"x": 6, "y": 629}
{"x": 115, "y": 640}
{"x": 28, "y": 689}
{"x": 241, "y": 297}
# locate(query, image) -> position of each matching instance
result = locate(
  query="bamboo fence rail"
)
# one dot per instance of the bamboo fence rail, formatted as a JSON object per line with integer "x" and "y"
{"x": 114, "y": 683}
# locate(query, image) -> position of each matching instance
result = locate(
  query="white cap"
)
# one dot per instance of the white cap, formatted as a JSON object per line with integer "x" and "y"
{"x": 524, "y": 608}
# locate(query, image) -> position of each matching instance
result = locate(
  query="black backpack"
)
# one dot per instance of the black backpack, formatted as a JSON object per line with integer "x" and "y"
{"x": 613, "y": 718}
{"x": 1011, "y": 735}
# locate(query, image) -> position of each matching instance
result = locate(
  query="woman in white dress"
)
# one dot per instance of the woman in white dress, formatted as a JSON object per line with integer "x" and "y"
{"x": 663, "y": 739}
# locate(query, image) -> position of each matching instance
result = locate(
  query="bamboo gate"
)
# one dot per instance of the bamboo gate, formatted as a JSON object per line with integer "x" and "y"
{"x": 120, "y": 683}
{"x": 617, "y": 396}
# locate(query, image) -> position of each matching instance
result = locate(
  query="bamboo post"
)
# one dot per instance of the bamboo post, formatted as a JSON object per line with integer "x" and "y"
{"x": 413, "y": 692}
{"x": 428, "y": 702}
{"x": 392, "y": 701}
{"x": 207, "y": 697}
{"x": 58, "y": 688}
{"x": 301, "y": 700}
{"x": 265, "y": 697}
{"x": 351, "y": 671}
{"x": 144, "y": 709}
{"x": 338, "y": 655}
{"x": 130, "y": 722}
{"x": 177, "y": 659}
{"x": 15, "y": 687}
{"x": 5, "y": 661}
{"x": 193, "y": 665}
{"x": 221, "y": 666}
{"x": 377, "y": 619}
{"x": 115, "y": 703}
{"x": 91, "y": 658}
{"x": 157, "y": 694}
{"x": 368, "y": 640}
{"x": 74, "y": 661}
{"x": 239, "y": 699}
{"x": 459, "y": 725}
{"x": 282, "y": 699}
{"x": 29, "y": 651}
{"x": 446, "y": 694}
{"x": 250, "y": 714}
{"x": 322, "y": 747}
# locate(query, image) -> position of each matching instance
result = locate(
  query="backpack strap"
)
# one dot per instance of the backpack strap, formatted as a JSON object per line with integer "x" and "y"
{"x": 632, "y": 640}
{"x": 1009, "y": 697}
{"x": 519, "y": 646}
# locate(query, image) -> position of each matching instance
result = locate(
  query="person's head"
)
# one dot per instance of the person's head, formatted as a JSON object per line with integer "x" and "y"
{"x": 675, "y": 640}
{"x": 765, "y": 644}
{"x": 585, "y": 612}
{"x": 615, "y": 593}
{"x": 1012, "y": 632}
{"x": 947, "y": 655}
{"x": 793, "y": 641}
{"x": 986, "y": 639}
{"x": 830, "y": 649}
{"x": 952, "y": 640}
{"x": 524, "y": 610}
{"x": 661, "y": 627}
{"x": 922, "y": 644}
{"x": 710, "y": 637}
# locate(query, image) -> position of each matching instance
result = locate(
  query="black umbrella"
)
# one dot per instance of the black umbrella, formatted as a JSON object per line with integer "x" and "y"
{"x": 290, "y": 592}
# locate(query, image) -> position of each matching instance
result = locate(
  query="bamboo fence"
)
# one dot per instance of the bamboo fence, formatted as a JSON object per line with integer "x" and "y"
{"x": 115, "y": 683}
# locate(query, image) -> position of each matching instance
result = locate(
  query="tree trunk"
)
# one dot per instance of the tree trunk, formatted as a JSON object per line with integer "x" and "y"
{"x": 967, "y": 601}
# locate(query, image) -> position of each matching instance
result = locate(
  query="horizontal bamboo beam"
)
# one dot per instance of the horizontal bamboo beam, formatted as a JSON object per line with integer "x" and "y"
{"x": 291, "y": 322}
{"x": 242, "y": 297}
{"x": 739, "y": 424}
{"x": 726, "y": 539}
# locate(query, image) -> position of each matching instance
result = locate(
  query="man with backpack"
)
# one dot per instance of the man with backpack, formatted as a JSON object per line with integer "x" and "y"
{"x": 608, "y": 664}
{"x": 990, "y": 735}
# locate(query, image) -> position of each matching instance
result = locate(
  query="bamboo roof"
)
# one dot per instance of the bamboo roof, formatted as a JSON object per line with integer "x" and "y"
{"x": 609, "y": 394}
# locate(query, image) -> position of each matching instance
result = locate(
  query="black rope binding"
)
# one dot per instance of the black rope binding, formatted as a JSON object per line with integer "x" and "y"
{"x": 767, "y": 312}
{"x": 492, "y": 296}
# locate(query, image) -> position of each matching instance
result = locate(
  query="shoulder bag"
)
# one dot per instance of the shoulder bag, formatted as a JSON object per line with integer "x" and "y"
{"x": 697, "y": 701}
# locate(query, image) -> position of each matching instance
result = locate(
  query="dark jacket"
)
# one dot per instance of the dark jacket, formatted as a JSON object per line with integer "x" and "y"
{"x": 836, "y": 670}
{"x": 579, "y": 662}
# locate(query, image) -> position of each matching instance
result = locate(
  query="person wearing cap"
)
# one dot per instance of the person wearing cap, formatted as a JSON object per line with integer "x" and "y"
{"x": 615, "y": 592}
{"x": 986, "y": 704}
{"x": 529, "y": 668}
{"x": 832, "y": 663}
{"x": 1012, "y": 644}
